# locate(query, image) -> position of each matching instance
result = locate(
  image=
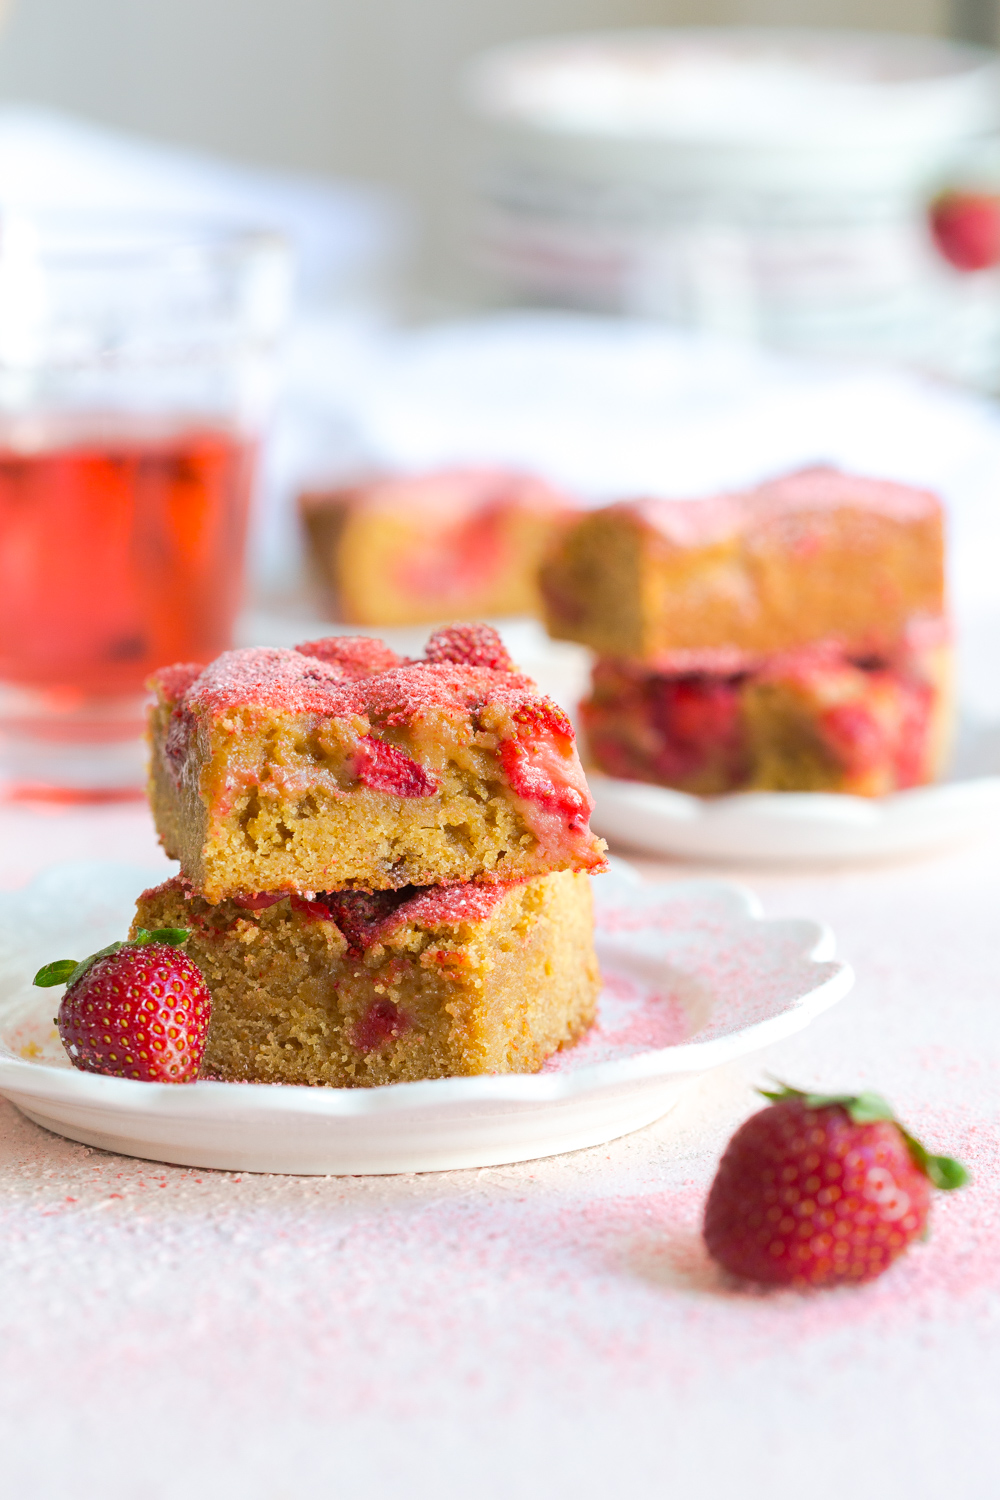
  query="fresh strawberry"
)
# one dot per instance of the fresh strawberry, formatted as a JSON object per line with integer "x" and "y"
{"x": 819, "y": 1189}
{"x": 469, "y": 646}
{"x": 966, "y": 229}
{"x": 135, "y": 1010}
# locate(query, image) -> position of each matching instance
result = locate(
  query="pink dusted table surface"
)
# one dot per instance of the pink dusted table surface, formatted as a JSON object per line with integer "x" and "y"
{"x": 550, "y": 1330}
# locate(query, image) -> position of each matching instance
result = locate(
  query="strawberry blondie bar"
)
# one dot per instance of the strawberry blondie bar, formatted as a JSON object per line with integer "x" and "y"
{"x": 340, "y": 765}
{"x": 409, "y": 549}
{"x": 813, "y": 719}
{"x": 354, "y": 988}
{"x": 813, "y": 556}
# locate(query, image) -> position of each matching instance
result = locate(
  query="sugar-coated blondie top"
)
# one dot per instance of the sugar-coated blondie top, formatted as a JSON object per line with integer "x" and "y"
{"x": 341, "y": 764}
{"x": 363, "y": 683}
{"x": 334, "y": 683}
{"x": 811, "y": 556}
{"x": 445, "y": 494}
{"x": 696, "y": 523}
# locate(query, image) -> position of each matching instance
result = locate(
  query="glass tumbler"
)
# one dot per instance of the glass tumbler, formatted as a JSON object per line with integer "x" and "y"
{"x": 136, "y": 369}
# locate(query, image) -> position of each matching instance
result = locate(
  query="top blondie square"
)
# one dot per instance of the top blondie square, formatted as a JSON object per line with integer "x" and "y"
{"x": 818, "y": 555}
{"x": 340, "y": 765}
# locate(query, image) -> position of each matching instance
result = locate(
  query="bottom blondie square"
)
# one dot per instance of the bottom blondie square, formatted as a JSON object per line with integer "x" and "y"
{"x": 355, "y": 988}
{"x": 810, "y": 720}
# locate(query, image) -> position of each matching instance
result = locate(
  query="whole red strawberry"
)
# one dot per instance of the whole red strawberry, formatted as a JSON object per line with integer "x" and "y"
{"x": 966, "y": 229}
{"x": 819, "y": 1190}
{"x": 135, "y": 1010}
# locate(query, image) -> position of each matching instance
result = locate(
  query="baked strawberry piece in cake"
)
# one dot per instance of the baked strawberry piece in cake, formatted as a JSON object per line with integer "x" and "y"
{"x": 340, "y": 765}
{"x": 356, "y": 988}
{"x": 402, "y": 550}
{"x": 815, "y": 719}
{"x": 817, "y": 555}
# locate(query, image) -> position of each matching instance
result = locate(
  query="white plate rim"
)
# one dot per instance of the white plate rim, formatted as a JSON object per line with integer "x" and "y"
{"x": 797, "y": 827}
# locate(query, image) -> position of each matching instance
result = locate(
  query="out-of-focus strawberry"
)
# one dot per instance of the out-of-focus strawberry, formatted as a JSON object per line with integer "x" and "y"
{"x": 966, "y": 229}
{"x": 820, "y": 1189}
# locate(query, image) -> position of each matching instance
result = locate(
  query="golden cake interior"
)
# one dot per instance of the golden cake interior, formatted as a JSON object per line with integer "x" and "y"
{"x": 294, "y": 1002}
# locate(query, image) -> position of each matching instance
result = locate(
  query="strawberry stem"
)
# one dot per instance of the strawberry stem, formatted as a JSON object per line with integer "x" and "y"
{"x": 866, "y": 1108}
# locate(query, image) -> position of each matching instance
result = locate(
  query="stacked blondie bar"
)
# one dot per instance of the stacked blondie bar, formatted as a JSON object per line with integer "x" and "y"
{"x": 791, "y": 638}
{"x": 384, "y": 862}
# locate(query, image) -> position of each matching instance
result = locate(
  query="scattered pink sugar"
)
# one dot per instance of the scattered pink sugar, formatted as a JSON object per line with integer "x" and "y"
{"x": 631, "y": 1020}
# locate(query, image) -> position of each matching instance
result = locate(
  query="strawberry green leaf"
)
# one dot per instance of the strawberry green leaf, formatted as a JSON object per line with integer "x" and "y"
{"x": 865, "y": 1109}
{"x": 55, "y": 973}
{"x": 944, "y": 1171}
{"x": 82, "y": 968}
{"x": 67, "y": 970}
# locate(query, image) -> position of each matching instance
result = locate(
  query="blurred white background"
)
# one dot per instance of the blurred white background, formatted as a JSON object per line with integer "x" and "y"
{"x": 364, "y": 88}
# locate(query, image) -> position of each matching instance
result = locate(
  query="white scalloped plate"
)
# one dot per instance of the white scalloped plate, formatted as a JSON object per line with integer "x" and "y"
{"x": 694, "y": 977}
{"x": 809, "y": 826}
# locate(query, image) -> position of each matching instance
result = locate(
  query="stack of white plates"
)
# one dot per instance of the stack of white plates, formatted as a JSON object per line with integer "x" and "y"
{"x": 765, "y": 183}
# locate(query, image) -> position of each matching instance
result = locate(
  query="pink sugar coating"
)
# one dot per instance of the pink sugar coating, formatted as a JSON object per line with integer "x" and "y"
{"x": 449, "y": 495}
{"x": 271, "y": 678}
{"x": 448, "y": 905}
{"x": 359, "y": 655}
{"x": 173, "y": 682}
{"x": 288, "y": 681}
{"x": 692, "y": 523}
{"x": 470, "y": 645}
{"x": 405, "y": 692}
